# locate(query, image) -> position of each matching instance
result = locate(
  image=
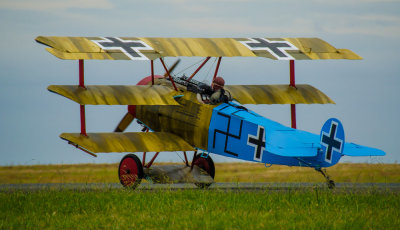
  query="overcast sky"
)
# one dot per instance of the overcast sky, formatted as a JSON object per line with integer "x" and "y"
{"x": 366, "y": 91}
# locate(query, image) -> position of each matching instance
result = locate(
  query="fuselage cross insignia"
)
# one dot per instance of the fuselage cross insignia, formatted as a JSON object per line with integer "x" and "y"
{"x": 258, "y": 142}
{"x": 276, "y": 48}
{"x": 131, "y": 48}
{"x": 331, "y": 142}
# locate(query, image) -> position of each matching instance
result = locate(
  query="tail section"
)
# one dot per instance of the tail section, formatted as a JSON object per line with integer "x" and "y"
{"x": 332, "y": 141}
{"x": 333, "y": 144}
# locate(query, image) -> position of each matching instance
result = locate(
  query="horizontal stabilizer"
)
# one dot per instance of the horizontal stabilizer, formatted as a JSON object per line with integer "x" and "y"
{"x": 278, "y": 94}
{"x": 148, "y": 48}
{"x": 354, "y": 150}
{"x": 117, "y": 94}
{"x": 127, "y": 142}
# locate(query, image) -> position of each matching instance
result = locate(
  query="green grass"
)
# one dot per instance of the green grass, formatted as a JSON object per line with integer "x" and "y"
{"x": 225, "y": 172}
{"x": 198, "y": 209}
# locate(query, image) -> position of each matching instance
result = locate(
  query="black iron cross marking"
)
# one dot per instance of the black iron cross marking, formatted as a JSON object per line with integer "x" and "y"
{"x": 129, "y": 47}
{"x": 331, "y": 142}
{"x": 276, "y": 48}
{"x": 258, "y": 142}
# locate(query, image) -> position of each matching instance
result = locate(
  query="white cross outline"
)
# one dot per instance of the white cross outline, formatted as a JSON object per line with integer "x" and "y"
{"x": 136, "y": 49}
{"x": 335, "y": 138}
{"x": 254, "y": 145}
{"x": 282, "y": 49}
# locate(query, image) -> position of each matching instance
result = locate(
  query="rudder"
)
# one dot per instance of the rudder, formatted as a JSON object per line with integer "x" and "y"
{"x": 332, "y": 141}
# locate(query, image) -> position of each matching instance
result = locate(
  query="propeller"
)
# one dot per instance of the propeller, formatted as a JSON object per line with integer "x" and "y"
{"x": 125, "y": 122}
{"x": 172, "y": 67}
{"x": 130, "y": 115}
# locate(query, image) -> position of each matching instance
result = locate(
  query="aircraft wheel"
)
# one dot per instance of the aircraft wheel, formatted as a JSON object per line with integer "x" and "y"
{"x": 130, "y": 171}
{"x": 331, "y": 184}
{"x": 206, "y": 164}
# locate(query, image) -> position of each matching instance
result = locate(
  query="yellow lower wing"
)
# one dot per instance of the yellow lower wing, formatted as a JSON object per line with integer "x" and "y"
{"x": 127, "y": 142}
{"x": 278, "y": 94}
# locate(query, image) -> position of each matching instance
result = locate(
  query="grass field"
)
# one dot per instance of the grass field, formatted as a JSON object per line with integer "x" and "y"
{"x": 315, "y": 208}
{"x": 198, "y": 209}
{"x": 225, "y": 172}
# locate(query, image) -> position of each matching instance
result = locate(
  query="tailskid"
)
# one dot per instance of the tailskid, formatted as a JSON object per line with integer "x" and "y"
{"x": 330, "y": 183}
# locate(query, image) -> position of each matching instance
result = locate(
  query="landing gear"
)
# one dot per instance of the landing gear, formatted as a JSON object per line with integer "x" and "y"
{"x": 201, "y": 172}
{"x": 330, "y": 183}
{"x": 130, "y": 171}
{"x": 205, "y": 163}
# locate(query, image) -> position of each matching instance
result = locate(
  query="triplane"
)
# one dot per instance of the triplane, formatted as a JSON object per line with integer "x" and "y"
{"x": 177, "y": 110}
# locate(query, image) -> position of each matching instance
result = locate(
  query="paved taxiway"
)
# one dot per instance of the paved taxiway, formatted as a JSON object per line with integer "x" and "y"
{"x": 272, "y": 187}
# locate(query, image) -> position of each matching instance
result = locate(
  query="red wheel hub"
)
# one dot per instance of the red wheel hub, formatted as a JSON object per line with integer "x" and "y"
{"x": 128, "y": 172}
{"x": 202, "y": 163}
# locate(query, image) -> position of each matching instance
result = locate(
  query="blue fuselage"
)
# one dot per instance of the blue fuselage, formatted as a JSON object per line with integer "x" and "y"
{"x": 241, "y": 134}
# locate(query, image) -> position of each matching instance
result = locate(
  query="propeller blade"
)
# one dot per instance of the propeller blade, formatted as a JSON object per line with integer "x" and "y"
{"x": 172, "y": 67}
{"x": 124, "y": 123}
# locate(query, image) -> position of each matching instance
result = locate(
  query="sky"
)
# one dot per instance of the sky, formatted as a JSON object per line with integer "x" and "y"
{"x": 365, "y": 91}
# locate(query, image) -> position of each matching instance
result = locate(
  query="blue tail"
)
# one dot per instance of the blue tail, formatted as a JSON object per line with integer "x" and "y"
{"x": 332, "y": 141}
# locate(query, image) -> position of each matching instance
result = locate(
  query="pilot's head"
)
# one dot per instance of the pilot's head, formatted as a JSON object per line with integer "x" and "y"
{"x": 218, "y": 83}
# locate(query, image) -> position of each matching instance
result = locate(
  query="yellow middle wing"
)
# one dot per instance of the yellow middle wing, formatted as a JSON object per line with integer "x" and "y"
{"x": 278, "y": 94}
{"x": 117, "y": 94}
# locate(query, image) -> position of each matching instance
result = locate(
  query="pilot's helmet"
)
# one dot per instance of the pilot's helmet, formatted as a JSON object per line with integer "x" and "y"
{"x": 218, "y": 83}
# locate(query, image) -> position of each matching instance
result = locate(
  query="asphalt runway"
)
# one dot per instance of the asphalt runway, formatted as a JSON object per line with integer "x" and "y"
{"x": 234, "y": 187}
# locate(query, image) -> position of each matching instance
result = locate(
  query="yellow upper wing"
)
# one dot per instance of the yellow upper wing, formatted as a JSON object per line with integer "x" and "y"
{"x": 135, "y": 48}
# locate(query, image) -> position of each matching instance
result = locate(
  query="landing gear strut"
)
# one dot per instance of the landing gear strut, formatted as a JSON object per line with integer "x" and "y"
{"x": 330, "y": 183}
